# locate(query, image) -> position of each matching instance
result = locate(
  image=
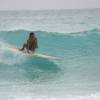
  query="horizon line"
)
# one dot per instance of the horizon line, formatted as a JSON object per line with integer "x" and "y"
{"x": 49, "y": 9}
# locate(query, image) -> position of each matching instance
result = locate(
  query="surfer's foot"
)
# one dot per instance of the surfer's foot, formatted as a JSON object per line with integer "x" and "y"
{"x": 20, "y": 49}
{"x": 28, "y": 51}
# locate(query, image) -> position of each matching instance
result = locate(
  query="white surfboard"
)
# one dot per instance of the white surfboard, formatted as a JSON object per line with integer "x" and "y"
{"x": 35, "y": 55}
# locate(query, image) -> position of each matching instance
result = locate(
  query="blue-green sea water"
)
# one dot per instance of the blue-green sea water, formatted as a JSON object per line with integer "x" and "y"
{"x": 72, "y": 35}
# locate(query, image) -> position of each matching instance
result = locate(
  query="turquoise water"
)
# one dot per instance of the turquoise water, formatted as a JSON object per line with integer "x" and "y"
{"x": 72, "y": 35}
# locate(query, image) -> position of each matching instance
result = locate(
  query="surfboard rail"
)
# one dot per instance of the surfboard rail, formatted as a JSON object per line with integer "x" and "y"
{"x": 35, "y": 55}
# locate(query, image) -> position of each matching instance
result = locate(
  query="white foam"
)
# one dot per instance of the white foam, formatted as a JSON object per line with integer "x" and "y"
{"x": 8, "y": 57}
{"x": 95, "y": 96}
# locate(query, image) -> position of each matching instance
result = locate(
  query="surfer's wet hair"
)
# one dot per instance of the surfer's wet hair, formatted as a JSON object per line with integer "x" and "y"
{"x": 32, "y": 34}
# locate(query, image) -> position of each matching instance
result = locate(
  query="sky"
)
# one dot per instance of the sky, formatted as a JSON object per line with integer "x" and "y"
{"x": 47, "y": 4}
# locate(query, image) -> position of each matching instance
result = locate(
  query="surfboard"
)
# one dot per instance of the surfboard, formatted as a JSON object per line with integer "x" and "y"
{"x": 35, "y": 55}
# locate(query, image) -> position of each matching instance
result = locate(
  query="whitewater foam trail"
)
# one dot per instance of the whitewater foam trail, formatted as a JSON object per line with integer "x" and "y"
{"x": 8, "y": 57}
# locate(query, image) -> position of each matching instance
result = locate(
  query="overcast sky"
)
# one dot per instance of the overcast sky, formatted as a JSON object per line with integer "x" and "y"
{"x": 47, "y": 4}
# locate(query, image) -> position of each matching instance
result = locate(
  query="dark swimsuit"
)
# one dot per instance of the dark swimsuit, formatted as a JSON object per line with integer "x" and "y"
{"x": 31, "y": 46}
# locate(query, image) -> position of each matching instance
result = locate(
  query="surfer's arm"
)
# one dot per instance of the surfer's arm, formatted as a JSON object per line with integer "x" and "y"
{"x": 36, "y": 44}
{"x": 27, "y": 46}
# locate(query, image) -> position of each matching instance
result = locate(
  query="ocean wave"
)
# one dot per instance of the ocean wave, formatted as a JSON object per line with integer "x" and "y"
{"x": 82, "y": 49}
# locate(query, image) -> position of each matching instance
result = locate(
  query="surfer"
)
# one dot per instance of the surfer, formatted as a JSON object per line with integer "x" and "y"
{"x": 31, "y": 44}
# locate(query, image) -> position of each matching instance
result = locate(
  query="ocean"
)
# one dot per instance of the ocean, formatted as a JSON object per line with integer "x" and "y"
{"x": 71, "y": 35}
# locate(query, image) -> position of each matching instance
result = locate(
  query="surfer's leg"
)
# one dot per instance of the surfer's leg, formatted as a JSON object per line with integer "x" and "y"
{"x": 24, "y": 46}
